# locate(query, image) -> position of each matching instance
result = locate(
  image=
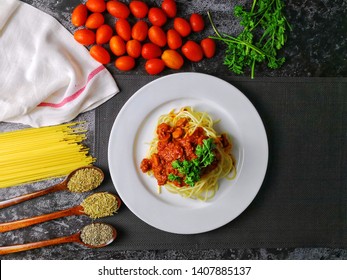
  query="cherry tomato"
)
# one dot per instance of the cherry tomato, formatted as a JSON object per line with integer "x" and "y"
{"x": 174, "y": 40}
{"x": 172, "y": 59}
{"x": 138, "y": 8}
{"x": 139, "y": 31}
{"x": 208, "y": 46}
{"x": 150, "y": 50}
{"x": 182, "y": 26}
{"x": 157, "y": 16}
{"x": 95, "y": 20}
{"x": 123, "y": 29}
{"x": 197, "y": 22}
{"x": 169, "y": 7}
{"x": 157, "y": 36}
{"x": 84, "y": 36}
{"x": 125, "y": 63}
{"x": 96, "y": 6}
{"x": 117, "y": 9}
{"x": 100, "y": 54}
{"x": 192, "y": 51}
{"x": 133, "y": 48}
{"x": 103, "y": 34}
{"x": 117, "y": 45}
{"x": 154, "y": 66}
{"x": 79, "y": 15}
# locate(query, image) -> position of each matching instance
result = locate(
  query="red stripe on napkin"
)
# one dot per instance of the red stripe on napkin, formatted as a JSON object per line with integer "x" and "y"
{"x": 77, "y": 93}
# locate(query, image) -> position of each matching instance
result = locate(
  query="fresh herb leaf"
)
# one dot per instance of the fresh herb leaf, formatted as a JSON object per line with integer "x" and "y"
{"x": 263, "y": 35}
{"x": 191, "y": 170}
{"x": 172, "y": 177}
{"x": 205, "y": 152}
{"x": 192, "y": 178}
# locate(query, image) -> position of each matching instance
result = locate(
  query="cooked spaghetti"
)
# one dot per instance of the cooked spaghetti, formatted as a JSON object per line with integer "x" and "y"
{"x": 34, "y": 154}
{"x": 188, "y": 156}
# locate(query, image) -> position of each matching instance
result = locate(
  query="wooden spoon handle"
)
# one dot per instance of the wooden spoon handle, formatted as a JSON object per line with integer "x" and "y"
{"x": 77, "y": 210}
{"x": 23, "y": 247}
{"x": 25, "y": 197}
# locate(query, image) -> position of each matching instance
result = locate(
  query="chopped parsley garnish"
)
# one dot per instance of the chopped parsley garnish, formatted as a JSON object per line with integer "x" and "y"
{"x": 191, "y": 169}
{"x": 205, "y": 152}
{"x": 173, "y": 177}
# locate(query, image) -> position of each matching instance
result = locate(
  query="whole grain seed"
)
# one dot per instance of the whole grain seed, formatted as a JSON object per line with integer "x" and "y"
{"x": 100, "y": 205}
{"x": 97, "y": 234}
{"x": 85, "y": 179}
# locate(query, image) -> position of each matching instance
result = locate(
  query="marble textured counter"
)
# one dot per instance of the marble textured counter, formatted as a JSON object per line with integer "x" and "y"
{"x": 316, "y": 47}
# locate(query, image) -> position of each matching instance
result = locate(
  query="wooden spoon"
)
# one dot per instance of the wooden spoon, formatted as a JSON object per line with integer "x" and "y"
{"x": 76, "y": 210}
{"x": 58, "y": 187}
{"x": 60, "y": 240}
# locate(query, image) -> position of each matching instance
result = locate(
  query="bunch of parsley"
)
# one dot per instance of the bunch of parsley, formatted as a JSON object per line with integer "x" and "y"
{"x": 191, "y": 169}
{"x": 262, "y": 36}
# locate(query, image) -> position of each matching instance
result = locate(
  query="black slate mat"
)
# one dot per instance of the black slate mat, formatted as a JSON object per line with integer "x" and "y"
{"x": 303, "y": 200}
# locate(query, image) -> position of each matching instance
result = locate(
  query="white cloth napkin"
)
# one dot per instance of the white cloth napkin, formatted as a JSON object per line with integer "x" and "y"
{"x": 46, "y": 77}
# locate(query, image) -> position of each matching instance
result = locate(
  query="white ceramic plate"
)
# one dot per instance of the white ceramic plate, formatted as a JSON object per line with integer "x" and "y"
{"x": 134, "y": 128}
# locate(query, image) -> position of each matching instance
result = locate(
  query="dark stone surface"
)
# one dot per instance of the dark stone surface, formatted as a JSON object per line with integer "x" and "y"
{"x": 317, "y": 47}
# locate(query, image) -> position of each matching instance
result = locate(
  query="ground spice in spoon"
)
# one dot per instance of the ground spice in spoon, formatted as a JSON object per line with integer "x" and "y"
{"x": 96, "y": 234}
{"x": 100, "y": 205}
{"x": 84, "y": 180}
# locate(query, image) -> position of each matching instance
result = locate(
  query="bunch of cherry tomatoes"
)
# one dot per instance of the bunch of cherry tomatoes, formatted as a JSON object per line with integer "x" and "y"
{"x": 160, "y": 48}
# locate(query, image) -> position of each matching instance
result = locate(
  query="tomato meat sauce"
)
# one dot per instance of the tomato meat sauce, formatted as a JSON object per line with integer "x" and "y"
{"x": 174, "y": 144}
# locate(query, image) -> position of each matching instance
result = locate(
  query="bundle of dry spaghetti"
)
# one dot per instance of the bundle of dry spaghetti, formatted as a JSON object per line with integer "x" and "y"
{"x": 34, "y": 154}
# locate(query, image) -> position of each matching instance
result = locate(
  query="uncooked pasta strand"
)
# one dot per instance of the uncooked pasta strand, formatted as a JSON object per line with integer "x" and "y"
{"x": 34, "y": 154}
